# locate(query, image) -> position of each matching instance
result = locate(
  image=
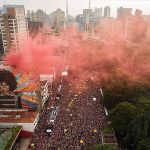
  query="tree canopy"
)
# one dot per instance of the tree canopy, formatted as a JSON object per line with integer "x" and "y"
{"x": 121, "y": 115}
{"x": 103, "y": 147}
{"x": 144, "y": 144}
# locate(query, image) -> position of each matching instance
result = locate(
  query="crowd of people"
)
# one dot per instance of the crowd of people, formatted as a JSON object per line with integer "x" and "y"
{"x": 80, "y": 120}
{"x": 40, "y": 138}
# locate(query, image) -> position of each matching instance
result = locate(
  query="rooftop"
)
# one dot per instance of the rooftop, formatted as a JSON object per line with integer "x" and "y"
{"x": 13, "y": 6}
{"x": 18, "y": 117}
{"x": 8, "y": 136}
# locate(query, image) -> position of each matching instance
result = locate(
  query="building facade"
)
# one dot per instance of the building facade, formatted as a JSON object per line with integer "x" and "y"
{"x": 14, "y": 27}
{"x": 31, "y": 15}
{"x": 123, "y": 12}
{"x": 87, "y": 13}
{"x": 40, "y": 15}
{"x": 107, "y": 12}
{"x": 57, "y": 19}
{"x": 96, "y": 16}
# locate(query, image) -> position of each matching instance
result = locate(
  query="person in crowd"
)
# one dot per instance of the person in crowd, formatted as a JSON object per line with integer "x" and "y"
{"x": 79, "y": 122}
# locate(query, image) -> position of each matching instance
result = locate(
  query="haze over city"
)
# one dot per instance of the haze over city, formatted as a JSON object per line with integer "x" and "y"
{"x": 75, "y": 75}
{"x": 76, "y": 6}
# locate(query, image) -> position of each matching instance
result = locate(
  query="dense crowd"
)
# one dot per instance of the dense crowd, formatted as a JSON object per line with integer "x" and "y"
{"x": 40, "y": 140}
{"x": 80, "y": 119}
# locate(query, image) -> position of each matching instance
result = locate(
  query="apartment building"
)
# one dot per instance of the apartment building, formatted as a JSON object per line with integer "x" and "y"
{"x": 13, "y": 27}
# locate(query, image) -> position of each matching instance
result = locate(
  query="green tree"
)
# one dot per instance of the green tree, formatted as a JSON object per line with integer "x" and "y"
{"x": 114, "y": 91}
{"x": 138, "y": 129}
{"x": 143, "y": 103}
{"x": 103, "y": 147}
{"x": 144, "y": 144}
{"x": 119, "y": 88}
{"x": 145, "y": 130}
{"x": 121, "y": 116}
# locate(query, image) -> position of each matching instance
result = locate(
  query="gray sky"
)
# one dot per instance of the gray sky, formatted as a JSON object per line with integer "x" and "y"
{"x": 76, "y": 6}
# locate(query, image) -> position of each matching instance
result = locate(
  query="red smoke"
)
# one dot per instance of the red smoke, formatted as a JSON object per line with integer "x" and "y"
{"x": 109, "y": 57}
{"x": 38, "y": 56}
{"x": 111, "y": 54}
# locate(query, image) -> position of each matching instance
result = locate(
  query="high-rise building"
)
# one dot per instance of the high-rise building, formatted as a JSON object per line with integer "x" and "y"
{"x": 1, "y": 46}
{"x": 88, "y": 28}
{"x": 31, "y": 15}
{"x": 107, "y": 12}
{"x": 79, "y": 19}
{"x": 40, "y": 15}
{"x": 98, "y": 12}
{"x": 1, "y": 41}
{"x": 87, "y": 13}
{"x": 87, "y": 21}
{"x": 96, "y": 16}
{"x": 14, "y": 27}
{"x": 138, "y": 12}
{"x": 70, "y": 19}
{"x": 57, "y": 19}
{"x": 123, "y": 12}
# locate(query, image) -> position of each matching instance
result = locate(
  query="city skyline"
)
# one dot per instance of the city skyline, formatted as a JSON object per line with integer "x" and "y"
{"x": 75, "y": 8}
{"x": 74, "y": 83}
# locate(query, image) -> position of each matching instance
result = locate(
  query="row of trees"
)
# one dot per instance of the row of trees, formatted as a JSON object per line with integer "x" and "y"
{"x": 103, "y": 147}
{"x": 131, "y": 123}
{"x": 128, "y": 102}
{"x": 124, "y": 89}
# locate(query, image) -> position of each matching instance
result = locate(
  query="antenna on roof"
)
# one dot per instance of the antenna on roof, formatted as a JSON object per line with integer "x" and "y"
{"x": 89, "y": 4}
{"x": 5, "y": 2}
{"x": 66, "y": 12}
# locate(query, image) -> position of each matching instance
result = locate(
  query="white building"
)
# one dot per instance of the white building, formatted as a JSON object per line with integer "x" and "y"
{"x": 96, "y": 16}
{"x": 31, "y": 15}
{"x": 123, "y": 12}
{"x": 40, "y": 15}
{"x": 87, "y": 13}
{"x": 107, "y": 12}
{"x": 57, "y": 19}
{"x": 98, "y": 12}
{"x": 14, "y": 27}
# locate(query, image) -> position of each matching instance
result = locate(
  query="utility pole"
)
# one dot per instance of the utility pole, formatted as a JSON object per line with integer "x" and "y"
{"x": 5, "y": 2}
{"x": 89, "y": 4}
{"x": 66, "y": 12}
{"x": 65, "y": 34}
{"x": 66, "y": 17}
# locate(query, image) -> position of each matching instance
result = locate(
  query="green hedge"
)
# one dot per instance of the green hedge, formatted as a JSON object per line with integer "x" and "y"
{"x": 7, "y": 138}
{"x": 103, "y": 147}
{"x": 108, "y": 130}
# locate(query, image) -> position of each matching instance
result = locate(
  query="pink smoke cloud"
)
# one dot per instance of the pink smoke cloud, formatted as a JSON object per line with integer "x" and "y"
{"x": 112, "y": 53}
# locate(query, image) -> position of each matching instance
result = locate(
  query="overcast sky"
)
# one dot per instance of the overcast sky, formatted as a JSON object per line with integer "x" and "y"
{"x": 76, "y": 6}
